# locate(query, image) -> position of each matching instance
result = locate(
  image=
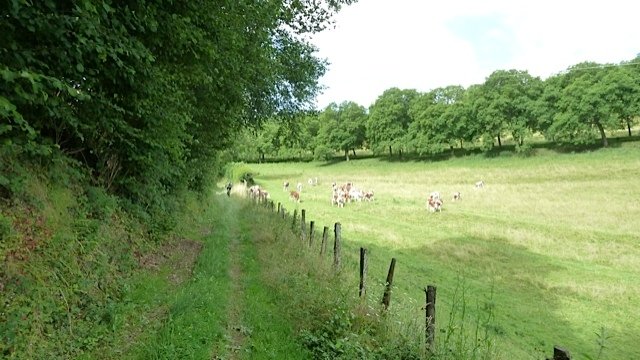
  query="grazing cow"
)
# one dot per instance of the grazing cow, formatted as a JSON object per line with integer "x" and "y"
{"x": 263, "y": 195}
{"x": 299, "y": 187}
{"x": 355, "y": 194}
{"x": 254, "y": 191}
{"x": 338, "y": 198}
{"x": 285, "y": 186}
{"x": 368, "y": 195}
{"x": 480, "y": 184}
{"x": 457, "y": 196}
{"x": 434, "y": 204}
{"x": 294, "y": 195}
{"x": 312, "y": 181}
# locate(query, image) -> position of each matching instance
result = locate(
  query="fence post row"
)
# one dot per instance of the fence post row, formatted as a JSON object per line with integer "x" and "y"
{"x": 559, "y": 353}
{"x": 430, "y": 317}
{"x": 363, "y": 272}
{"x": 336, "y": 245}
{"x": 386, "y": 298}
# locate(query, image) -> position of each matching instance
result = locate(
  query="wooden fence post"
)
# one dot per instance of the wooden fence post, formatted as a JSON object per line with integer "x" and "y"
{"x": 295, "y": 217}
{"x": 282, "y": 212}
{"x": 430, "y": 317}
{"x": 386, "y": 298}
{"x": 303, "y": 226}
{"x": 279, "y": 208}
{"x": 363, "y": 272}
{"x": 325, "y": 235}
{"x": 312, "y": 232}
{"x": 336, "y": 245}
{"x": 561, "y": 353}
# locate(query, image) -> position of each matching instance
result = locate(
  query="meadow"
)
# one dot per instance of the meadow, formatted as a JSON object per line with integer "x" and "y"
{"x": 547, "y": 253}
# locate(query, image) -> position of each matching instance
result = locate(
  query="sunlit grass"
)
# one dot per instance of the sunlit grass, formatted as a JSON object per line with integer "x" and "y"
{"x": 555, "y": 234}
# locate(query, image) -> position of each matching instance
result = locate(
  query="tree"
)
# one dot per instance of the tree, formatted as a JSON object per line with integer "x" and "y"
{"x": 510, "y": 104}
{"x": 389, "y": 120}
{"x": 342, "y": 127}
{"x": 146, "y": 94}
{"x": 623, "y": 92}
{"x": 434, "y": 123}
{"x": 584, "y": 111}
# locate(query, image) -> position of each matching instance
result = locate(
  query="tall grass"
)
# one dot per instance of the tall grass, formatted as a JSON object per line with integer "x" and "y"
{"x": 552, "y": 237}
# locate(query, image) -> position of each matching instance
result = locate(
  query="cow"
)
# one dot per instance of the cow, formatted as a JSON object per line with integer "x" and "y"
{"x": 480, "y": 184}
{"x": 299, "y": 187}
{"x": 434, "y": 202}
{"x": 294, "y": 195}
{"x": 355, "y": 194}
{"x": 338, "y": 198}
{"x": 457, "y": 196}
{"x": 285, "y": 186}
{"x": 368, "y": 195}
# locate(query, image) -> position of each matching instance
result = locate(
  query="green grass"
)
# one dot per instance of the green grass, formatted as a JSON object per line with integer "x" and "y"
{"x": 554, "y": 235}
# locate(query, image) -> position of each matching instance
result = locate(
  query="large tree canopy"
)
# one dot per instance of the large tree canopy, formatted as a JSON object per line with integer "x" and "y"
{"x": 389, "y": 119}
{"x": 147, "y": 93}
{"x": 342, "y": 127}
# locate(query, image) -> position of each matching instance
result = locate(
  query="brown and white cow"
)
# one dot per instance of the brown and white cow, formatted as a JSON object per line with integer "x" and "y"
{"x": 434, "y": 203}
{"x": 294, "y": 195}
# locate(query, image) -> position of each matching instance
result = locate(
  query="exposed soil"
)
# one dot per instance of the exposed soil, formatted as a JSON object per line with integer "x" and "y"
{"x": 180, "y": 256}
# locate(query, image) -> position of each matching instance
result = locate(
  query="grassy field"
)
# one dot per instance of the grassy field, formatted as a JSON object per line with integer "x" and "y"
{"x": 549, "y": 248}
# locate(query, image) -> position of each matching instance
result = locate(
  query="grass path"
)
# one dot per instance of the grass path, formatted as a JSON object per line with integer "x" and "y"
{"x": 236, "y": 331}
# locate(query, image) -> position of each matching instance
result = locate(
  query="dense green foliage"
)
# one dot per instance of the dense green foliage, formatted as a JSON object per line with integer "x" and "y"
{"x": 145, "y": 94}
{"x": 576, "y": 107}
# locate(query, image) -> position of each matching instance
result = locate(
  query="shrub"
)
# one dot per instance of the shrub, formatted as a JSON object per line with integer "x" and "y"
{"x": 237, "y": 172}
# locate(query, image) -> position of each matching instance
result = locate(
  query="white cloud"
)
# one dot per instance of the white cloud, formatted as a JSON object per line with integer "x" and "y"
{"x": 378, "y": 44}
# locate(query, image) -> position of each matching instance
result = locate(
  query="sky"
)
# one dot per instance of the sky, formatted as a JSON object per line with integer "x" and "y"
{"x": 423, "y": 45}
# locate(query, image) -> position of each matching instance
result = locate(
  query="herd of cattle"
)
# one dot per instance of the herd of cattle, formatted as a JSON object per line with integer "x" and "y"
{"x": 347, "y": 192}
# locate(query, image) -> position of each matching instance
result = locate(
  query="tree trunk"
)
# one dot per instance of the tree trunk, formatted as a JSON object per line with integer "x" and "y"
{"x": 605, "y": 143}
{"x": 400, "y": 153}
{"x": 390, "y": 152}
{"x": 354, "y": 152}
{"x": 499, "y": 141}
{"x": 629, "y": 127}
{"x": 461, "y": 144}
{"x": 346, "y": 154}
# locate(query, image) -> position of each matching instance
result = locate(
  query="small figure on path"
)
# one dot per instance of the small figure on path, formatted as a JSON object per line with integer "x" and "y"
{"x": 229, "y": 186}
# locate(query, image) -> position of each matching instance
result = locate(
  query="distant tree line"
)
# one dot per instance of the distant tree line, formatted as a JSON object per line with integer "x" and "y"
{"x": 146, "y": 94}
{"x": 575, "y": 107}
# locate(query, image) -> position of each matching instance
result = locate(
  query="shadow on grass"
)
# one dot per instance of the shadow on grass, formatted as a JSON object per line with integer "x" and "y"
{"x": 526, "y": 308}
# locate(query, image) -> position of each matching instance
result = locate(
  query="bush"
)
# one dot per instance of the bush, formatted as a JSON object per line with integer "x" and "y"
{"x": 238, "y": 172}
